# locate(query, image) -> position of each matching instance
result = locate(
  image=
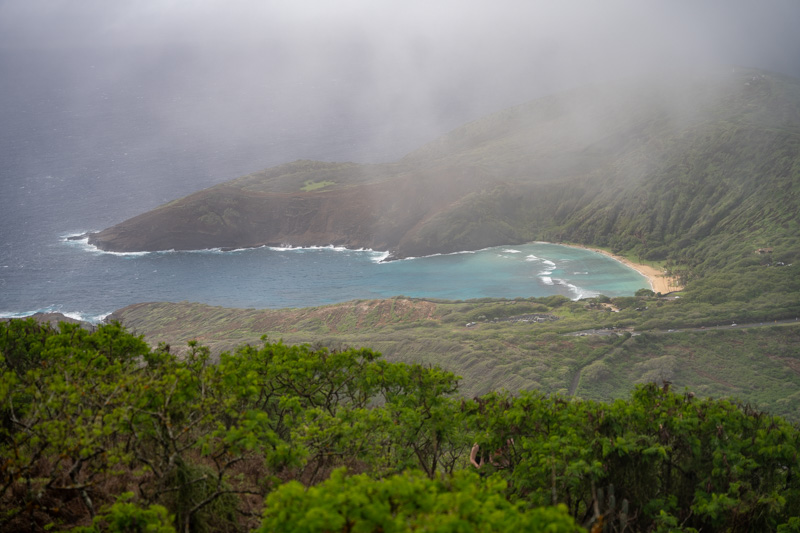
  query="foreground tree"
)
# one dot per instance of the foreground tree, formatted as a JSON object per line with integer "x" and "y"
{"x": 100, "y": 431}
{"x": 406, "y": 502}
{"x": 657, "y": 459}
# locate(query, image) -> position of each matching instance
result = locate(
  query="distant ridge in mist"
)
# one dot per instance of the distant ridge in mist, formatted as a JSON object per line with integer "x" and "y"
{"x": 660, "y": 167}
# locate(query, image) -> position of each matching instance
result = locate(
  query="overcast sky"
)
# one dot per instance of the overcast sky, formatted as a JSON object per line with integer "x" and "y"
{"x": 465, "y": 31}
{"x": 425, "y": 65}
{"x": 430, "y": 35}
{"x": 143, "y": 101}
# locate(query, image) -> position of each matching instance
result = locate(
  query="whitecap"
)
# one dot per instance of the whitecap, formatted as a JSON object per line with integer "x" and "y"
{"x": 580, "y": 294}
{"x": 379, "y": 257}
{"x": 577, "y": 292}
{"x": 440, "y": 254}
{"x": 301, "y": 249}
{"x": 332, "y": 247}
{"x": 125, "y": 254}
{"x": 83, "y": 243}
{"x": 547, "y": 280}
{"x": 75, "y": 315}
{"x": 549, "y": 263}
{"x": 531, "y": 257}
{"x": 14, "y": 314}
{"x": 511, "y": 251}
{"x": 71, "y": 236}
{"x": 86, "y": 317}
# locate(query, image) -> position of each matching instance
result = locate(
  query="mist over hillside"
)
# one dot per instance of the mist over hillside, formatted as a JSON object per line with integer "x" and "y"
{"x": 656, "y": 167}
{"x": 152, "y": 101}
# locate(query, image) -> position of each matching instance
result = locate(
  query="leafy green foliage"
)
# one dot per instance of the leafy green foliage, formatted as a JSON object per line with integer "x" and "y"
{"x": 310, "y": 185}
{"x": 405, "y": 502}
{"x": 126, "y": 517}
{"x": 711, "y": 464}
{"x": 103, "y": 433}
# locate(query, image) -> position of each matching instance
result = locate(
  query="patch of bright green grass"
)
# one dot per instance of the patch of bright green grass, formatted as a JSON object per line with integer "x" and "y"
{"x": 311, "y": 185}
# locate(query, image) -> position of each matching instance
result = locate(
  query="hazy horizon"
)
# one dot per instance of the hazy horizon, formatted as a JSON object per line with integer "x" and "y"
{"x": 408, "y": 71}
{"x": 120, "y": 107}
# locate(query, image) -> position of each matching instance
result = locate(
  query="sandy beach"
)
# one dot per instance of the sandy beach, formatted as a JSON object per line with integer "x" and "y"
{"x": 659, "y": 282}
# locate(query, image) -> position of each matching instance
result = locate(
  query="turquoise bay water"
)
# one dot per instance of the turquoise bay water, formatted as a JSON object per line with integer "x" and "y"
{"x": 73, "y": 160}
{"x": 87, "y": 283}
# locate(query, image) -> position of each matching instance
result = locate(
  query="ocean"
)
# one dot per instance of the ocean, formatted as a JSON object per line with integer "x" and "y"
{"x": 80, "y": 152}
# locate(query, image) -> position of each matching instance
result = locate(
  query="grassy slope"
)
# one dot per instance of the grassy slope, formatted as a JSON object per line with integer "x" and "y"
{"x": 757, "y": 365}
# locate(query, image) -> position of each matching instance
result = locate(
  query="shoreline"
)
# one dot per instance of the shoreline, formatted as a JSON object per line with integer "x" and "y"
{"x": 659, "y": 283}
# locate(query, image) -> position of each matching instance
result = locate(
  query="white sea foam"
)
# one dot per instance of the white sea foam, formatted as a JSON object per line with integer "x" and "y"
{"x": 75, "y": 315}
{"x": 578, "y": 293}
{"x": 465, "y": 252}
{"x": 15, "y": 314}
{"x": 283, "y": 248}
{"x": 440, "y": 254}
{"x": 328, "y": 247}
{"x": 549, "y": 263}
{"x": 379, "y": 257}
{"x": 547, "y": 280}
{"x": 511, "y": 251}
{"x": 332, "y": 247}
{"x": 125, "y": 254}
{"x": 83, "y": 243}
{"x": 531, "y": 257}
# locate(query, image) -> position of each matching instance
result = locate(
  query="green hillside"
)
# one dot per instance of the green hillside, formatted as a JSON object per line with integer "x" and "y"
{"x": 552, "y": 345}
{"x": 667, "y": 169}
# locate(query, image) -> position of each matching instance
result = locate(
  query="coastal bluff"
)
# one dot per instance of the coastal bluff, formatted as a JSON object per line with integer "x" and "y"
{"x": 655, "y": 166}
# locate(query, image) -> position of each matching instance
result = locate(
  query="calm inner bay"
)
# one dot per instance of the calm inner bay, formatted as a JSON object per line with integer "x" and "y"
{"x": 83, "y": 282}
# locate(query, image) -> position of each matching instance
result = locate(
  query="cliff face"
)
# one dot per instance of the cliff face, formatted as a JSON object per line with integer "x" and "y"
{"x": 600, "y": 162}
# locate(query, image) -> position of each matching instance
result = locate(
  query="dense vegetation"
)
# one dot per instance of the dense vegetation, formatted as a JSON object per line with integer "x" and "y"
{"x": 101, "y": 432}
{"x": 570, "y": 351}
